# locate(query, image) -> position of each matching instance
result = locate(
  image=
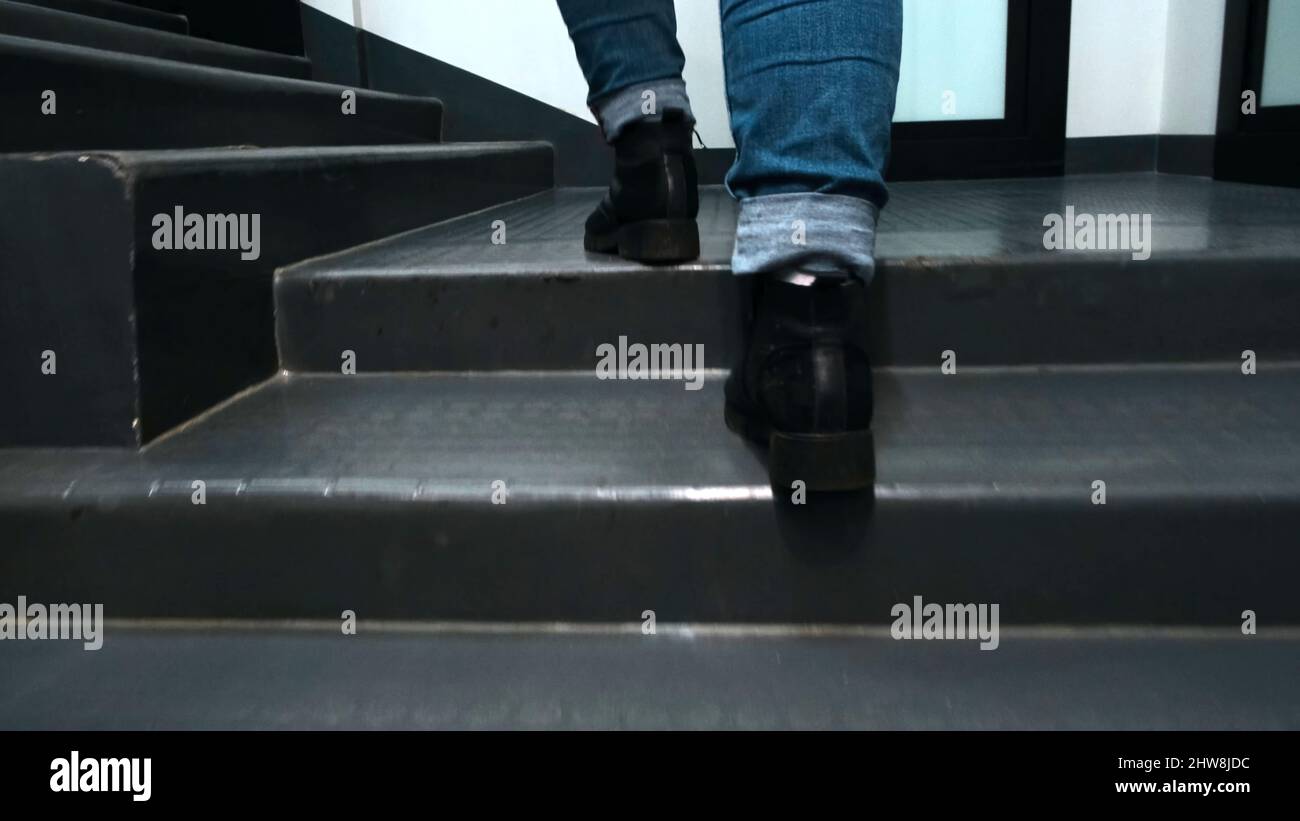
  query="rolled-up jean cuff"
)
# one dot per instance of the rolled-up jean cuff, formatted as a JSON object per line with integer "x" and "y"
{"x": 617, "y": 110}
{"x": 816, "y": 233}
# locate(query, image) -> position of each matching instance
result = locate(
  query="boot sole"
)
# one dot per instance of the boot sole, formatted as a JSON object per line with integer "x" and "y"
{"x": 652, "y": 241}
{"x": 843, "y": 461}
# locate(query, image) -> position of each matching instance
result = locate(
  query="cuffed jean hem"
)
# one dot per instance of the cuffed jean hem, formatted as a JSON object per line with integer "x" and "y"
{"x": 616, "y": 111}
{"x": 813, "y": 233}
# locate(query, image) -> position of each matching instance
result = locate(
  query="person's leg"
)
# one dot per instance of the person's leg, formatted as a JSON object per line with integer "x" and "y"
{"x": 810, "y": 85}
{"x": 629, "y": 54}
{"x": 626, "y": 49}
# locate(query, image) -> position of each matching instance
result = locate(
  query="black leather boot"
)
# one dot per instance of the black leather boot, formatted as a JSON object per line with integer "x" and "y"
{"x": 804, "y": 385}
{"x": 649, "y": 213}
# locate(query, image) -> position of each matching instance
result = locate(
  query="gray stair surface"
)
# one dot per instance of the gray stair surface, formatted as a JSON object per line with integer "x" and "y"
{"x": 376, "y": 493}
{"x": 147, "y": 338}
{"x": 109, "y": 100}
{"x": 118, "y": 12}
{"x": 23, "y": 20}
{"x": 696, "y": 677}
{"x": 501, "y": 520}
{"x": 962, "y": 267}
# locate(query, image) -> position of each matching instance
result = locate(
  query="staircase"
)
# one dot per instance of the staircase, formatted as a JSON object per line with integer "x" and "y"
{"x": 500, "y": 520}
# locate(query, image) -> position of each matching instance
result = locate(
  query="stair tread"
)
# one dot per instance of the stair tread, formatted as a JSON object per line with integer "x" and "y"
{"x": 157, "y": 336}
{"x": 425, "y": 678}
{"x": 984, "y": 435}
{"x": 949, "y": 224}
{"x": 52, "y": 25}
{"x": 961, "y": 267}
{"x": 279, "y": 155}
{"x": 118, "y": 12}
{"x": 618, "y": 496}
{"x": 84, "y": 53}
{"x": 174, "y": 104}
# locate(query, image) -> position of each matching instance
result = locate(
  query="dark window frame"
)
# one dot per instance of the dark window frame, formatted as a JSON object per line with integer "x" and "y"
{"x": 1259, "y": 147}
{"x": 1029, "y": 141}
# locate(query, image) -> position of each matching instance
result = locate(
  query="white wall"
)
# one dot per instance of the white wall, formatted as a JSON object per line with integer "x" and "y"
{"x": 1144, "y": 67}
{"x": 1190, "y": 101}
{"x": 524, "y": 45}
{"x": 1117, "y": 67}
{"x": 1136, "y": 66}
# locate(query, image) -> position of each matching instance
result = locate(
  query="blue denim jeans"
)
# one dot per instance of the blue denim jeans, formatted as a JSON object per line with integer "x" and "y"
{"x": 810, "y": 88}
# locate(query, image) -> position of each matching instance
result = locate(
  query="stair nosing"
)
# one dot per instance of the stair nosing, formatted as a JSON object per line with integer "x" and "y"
{"x": 177, "y": 38}
{"x": 159, "y": 63}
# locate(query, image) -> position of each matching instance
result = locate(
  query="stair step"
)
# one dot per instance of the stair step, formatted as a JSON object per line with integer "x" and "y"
{"x": 962, "y": 268}
{"x": 118, "y": 12}
{"x": 145, "y": 338}
{"x": 21, "y": 20}
{"x": 108, "y": 100}
{"x": 375, "y": 493}
{"x": 697, "y": 677}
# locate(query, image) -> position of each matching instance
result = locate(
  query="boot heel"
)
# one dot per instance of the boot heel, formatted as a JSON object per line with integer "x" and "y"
{"x": 600, "y": 243}
{"x": 663, "y": 240}
{"x": 822, "y": 461}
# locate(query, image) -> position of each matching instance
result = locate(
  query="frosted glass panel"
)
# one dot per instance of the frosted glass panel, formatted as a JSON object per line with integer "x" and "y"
{"x": 954, "y": 60}
{"x": 1282, "y": 54}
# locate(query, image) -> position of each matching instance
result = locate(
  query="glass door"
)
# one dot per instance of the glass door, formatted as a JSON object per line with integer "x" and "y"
{"x": 1259, "y": 93}
{"x": 982, "y": 89}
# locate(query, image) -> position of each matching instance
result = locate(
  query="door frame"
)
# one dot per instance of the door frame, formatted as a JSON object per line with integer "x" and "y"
{"x": 1259, "y": 147}
{"x": 1029, "y": 140}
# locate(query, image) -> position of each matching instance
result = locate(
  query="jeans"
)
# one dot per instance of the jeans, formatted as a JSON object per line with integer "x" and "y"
{"x": 810, "y": 88}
